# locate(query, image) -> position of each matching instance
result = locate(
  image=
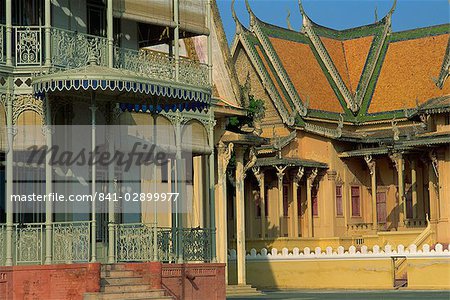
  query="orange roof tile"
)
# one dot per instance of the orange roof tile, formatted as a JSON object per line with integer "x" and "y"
{"x": 306, "y": 74}
{"x": 349, "y": 58}
{"x": 407, "y": 73}
{"x": 356, "y": 52}
{"x": 335, "y": 49}
{"x": 272, "y": 77}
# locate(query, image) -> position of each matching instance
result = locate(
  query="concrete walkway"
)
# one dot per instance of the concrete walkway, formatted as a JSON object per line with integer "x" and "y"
{"x": 351, "y": 295}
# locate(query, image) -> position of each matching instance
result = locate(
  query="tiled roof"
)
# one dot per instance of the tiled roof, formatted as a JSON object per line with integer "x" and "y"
{"x": 306, "y": 74}
{"x": 373, "y": 75}
{"x": 349, "y": 57}
{"x": 407, "y": 74}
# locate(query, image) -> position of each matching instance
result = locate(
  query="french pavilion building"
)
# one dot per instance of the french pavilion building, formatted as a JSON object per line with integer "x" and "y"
{"x": 356, "y": 138}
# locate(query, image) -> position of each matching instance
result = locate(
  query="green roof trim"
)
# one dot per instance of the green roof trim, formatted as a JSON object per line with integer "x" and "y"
{"x": 362, "y": 115}
{"x": 348, "y": 34}
{"x": 420, "y": 32}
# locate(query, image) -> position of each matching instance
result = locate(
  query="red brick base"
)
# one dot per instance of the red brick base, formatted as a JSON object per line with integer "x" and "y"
{"x": 194, "y": 281}
{"x": 70, "y": 282}
{"x": 150, "y": 271}
{"x": 49, "y": 281}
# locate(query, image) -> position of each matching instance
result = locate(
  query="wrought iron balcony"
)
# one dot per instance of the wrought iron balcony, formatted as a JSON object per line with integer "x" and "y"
{"x": 70, "y": 50}
{"x": 71, "y": 243}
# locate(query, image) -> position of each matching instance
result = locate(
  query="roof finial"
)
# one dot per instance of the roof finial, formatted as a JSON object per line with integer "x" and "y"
{"x": 288, "y": 19}
{"x": 393, "y": 8}
{"x": 300, "y": 5}
{"x": 305, "y": 18}
{"x": 376, "y": 14}
{"x": 235, "y": 18}
{"x": 250, "y": 12}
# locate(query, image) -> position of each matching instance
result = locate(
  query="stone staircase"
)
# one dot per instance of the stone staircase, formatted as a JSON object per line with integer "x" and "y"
{"x": 119, "y": 283}
{"x": 242, "y": 290}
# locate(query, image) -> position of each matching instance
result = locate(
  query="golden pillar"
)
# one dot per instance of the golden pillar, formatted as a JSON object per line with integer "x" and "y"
{"x": 414, "y": 188}
{"x": 240, "y": 216}
{"x": 262, "y": 201}
{"x": 397, "y": 159}
{"x": 295, "y": 184}
{"x": 372, "y": 169}
{"x": 280, "y": 175}
{"x": 224, "y": 156}
{"x": 309, "y": 185}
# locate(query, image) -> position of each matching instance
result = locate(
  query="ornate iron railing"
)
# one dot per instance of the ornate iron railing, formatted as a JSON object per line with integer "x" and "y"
{"x": 71, "y": 241}
{"x": 158, "y": 65}
{"x": 166, "y": 246}
{"x": 145, "y": 62}
{"x": 72, "y": 50}
{"x": 29, "y": 243}
{"x": 2, "y": 244}
{"x": 196, "y": 244}
{"x": 193, "y": 72}
{"x": 28, "y": 45}
{"x": 135, "y": 242}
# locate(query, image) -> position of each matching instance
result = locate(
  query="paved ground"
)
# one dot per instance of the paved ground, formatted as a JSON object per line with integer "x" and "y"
{"x": 351, "y": 295}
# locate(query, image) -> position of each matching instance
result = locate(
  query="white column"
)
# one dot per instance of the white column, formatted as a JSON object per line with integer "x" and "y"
{"x": 9, "y": 181}
{"x": 110, "y": 32}
{"x": 181, "y": 197}
{"x": 240, "y": 217}
{"x": 8, "y": 19}
{"x": 93, "y": 179}
{"x": 212, "y": 199}
{"x": 48, "y": 183}
{"x": 209, "y": 41}
{"x": 176, "y": 33}
{"x": 48, "y": 21}
{"x": 112, "y": 191}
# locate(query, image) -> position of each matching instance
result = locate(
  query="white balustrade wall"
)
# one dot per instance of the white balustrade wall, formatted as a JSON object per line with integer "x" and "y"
{"x": 339, "y": 253}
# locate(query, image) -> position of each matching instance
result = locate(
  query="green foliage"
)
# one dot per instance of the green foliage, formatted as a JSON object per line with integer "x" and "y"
{"x": 255, "y": 111}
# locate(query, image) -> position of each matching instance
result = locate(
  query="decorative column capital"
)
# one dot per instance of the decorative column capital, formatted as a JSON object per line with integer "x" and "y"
{"x": 251, "y": 162}
{"x": 280, "y": 172}
{"x": 370, "y": 163}
{"x": 395, "y": 158}
{"x": 225, "y": 152}
{"x": 312, "y": 177}
{"x": 434, "y": 162}
{"x": 259, "y": 175}
{"x": 299, "y": 175}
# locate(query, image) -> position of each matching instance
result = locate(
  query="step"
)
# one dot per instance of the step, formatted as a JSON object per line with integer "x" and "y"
{"x": 99, "y": 296}
{"x": 133, "y": 295}
{"x": 120, "y": 288}
{"x": 242, "y": 290}
{"x": 135, "y": 280}
{"x": 114, "y": 267}
{"x": 117, "y": 273}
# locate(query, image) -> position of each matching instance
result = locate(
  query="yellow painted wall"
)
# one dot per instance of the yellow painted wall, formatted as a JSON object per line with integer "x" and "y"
{"x": 429, "y": 273}
{"x": 319, "y": 274}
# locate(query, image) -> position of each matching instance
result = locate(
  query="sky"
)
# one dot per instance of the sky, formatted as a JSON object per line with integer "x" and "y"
{"x": 339, "y": 14}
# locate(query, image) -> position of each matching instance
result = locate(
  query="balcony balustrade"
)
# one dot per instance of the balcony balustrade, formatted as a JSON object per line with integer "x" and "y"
{"x": 71, "y": 243}
{"x": 70, "y": 50}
